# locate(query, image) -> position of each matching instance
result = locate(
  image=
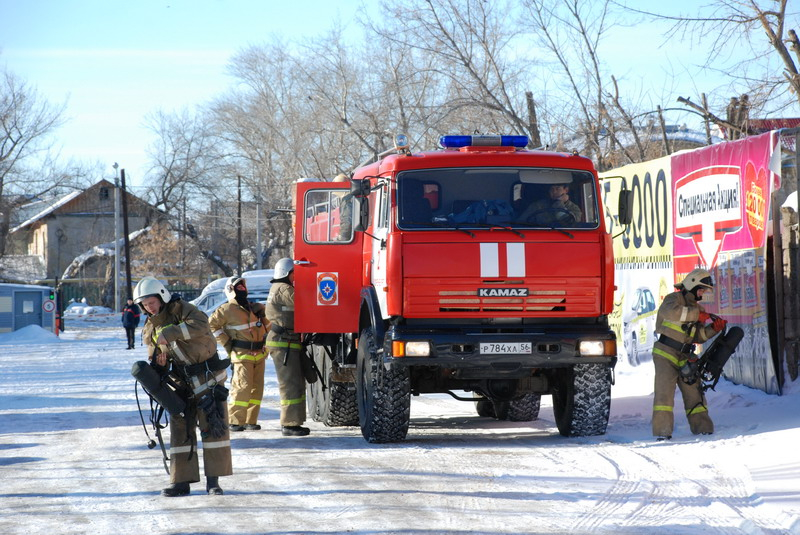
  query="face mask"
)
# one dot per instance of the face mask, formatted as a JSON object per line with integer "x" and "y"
{"x": 240, "y": 296}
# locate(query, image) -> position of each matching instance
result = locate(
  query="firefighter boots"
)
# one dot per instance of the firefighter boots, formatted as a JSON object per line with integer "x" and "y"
{"x": 176, "y": 489}
{"x": 294, "y": 431}
{"x": 212, "y": 486}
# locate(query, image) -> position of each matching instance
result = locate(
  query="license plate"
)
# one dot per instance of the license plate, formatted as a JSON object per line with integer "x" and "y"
{"x": 501, "y": 348}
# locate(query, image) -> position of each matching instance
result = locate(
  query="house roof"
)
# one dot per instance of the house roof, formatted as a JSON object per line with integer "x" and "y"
{"x": 66, "y": 199}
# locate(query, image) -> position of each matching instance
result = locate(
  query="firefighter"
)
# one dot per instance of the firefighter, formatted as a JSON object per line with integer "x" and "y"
{"x": 285, "y": 347}
{"x": 180, "y": 343}
{"x": 557, "y": 208}
{"x": 241, "y": 328}
{"x": 680, "y": 324}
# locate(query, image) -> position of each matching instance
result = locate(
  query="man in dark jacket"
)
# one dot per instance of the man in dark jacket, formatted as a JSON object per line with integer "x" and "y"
{"x": 130, "y": 320}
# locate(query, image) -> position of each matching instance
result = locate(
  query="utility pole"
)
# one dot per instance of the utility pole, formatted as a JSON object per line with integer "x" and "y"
{"x": 258, "y": 232}
{"x": 239, "y": 229}
{"x": 129, "y": 292}
{"x": 116, "y": 237}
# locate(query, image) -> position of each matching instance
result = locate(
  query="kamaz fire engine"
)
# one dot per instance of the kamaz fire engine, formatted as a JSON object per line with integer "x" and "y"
{"x": 419, "y": 275}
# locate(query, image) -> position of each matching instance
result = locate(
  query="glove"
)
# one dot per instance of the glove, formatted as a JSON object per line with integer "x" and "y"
{"x": 704, "y": 316}
{"x": 719, "y": 324}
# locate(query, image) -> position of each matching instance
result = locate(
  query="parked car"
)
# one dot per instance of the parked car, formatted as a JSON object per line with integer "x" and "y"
{"x": 639, "y": 324}
{"x": 213, "y": 295}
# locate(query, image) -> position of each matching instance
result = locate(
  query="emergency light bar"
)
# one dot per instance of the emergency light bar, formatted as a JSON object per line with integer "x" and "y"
{"x": 454, "y": 142}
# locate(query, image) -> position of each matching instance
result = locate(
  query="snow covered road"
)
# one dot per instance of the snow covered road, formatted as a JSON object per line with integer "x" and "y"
{"x": 73, "y": 459}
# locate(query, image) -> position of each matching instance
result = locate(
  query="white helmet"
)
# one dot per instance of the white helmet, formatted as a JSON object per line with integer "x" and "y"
{"x": 696, "y": 278}
{"x": 283, "y": 267}
{"x": 150, "y": 286}
{"x": 230, "y": 286}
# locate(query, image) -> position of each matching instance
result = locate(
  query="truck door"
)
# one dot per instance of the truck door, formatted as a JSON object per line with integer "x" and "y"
{"x": 327, "y": 255}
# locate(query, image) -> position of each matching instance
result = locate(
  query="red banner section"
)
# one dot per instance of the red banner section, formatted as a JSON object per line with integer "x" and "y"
{"x": 720, "y": 200}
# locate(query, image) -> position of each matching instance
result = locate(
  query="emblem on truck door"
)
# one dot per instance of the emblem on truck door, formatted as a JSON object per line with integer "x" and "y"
{"x": 327, "y": 288}
{"x": 502, "y": 292}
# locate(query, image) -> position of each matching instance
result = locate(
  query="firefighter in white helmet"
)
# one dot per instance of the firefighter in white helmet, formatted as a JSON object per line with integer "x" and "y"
{"x": 180, "y": 344}
{"x": 285, "y": 347}
{"x": 241, "y": 328}
{"x": 681, "y": 323}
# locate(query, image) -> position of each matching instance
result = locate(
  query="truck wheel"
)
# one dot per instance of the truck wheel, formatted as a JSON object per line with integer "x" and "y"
{"x": 336, "y": 406}
{"x": 582, "y": 400}
{"x": 384, "y": 395}
{"x": 484, "y": 407}
{"x": 524, "y": 409}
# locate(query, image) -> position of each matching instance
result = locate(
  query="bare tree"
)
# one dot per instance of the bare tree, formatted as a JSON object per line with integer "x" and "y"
{"x": 769, "y": 71}
{"x": 471, "y": 44}
{"x": 27, "y": 166}
{"x": 186, "y": 159}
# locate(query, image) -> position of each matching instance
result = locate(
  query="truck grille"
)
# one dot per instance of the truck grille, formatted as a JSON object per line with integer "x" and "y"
{"x": 551, "y": 297}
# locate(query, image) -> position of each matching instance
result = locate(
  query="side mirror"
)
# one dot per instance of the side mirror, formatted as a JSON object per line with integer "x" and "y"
{"x": 360, "y": 188}
{"x": 362, "y": 221}
{"x": 625, "y": 208}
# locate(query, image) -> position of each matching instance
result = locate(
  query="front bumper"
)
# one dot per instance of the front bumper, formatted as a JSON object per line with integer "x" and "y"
{"x": 552, "y": 346}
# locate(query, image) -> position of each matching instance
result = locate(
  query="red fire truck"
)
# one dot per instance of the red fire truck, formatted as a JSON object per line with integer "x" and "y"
{"x": 458, "y": 270}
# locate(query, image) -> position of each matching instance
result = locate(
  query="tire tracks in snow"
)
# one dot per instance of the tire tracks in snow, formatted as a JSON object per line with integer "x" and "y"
{"x": 651, "y": 491}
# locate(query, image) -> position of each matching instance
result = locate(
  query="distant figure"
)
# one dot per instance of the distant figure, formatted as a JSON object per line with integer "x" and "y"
{"x": 130, "y": 320}
{"x": 557, "y": 209}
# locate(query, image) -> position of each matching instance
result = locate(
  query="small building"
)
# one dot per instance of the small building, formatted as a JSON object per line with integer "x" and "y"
{"x": 58, "y": 231}
{"x": 25, "y": 304}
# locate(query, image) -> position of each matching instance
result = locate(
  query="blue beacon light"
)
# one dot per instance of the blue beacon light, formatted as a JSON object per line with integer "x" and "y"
{"x": 451, "y": 142}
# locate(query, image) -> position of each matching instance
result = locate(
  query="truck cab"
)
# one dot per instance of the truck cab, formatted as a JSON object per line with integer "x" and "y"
{"x": 482, "y": 270}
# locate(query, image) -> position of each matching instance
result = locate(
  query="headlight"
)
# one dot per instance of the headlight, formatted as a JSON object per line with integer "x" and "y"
{"x": 411, "y": 349}
{"x": 597, "y": 348}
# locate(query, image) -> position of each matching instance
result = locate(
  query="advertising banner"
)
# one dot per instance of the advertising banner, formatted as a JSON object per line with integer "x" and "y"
{"x": 703, "y": 208}
{"x": 721, "y": 198}
{"x": 642, "y": 253}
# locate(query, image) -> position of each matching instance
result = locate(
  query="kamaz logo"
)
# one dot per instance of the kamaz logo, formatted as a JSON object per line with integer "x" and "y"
{"x": 502, "y": 292}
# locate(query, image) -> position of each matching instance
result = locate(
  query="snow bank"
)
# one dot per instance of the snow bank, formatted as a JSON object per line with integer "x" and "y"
{"x": 32, "y": 334}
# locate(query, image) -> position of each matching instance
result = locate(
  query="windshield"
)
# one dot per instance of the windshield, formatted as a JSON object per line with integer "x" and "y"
{"x": 505, "y": 196}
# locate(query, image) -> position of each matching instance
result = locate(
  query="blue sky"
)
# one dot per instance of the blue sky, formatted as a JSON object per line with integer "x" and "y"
{"x": 115, "y": 62}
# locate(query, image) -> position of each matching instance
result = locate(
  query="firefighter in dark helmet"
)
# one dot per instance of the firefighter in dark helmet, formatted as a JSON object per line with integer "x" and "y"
{"x": 241, "y": 328}
{"x": 285, "y": 348}
{"x": 680, "y": 324}
{"x": 180, "y": 343}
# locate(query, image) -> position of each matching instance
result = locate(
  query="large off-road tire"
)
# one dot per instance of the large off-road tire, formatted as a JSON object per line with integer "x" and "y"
{"x": 582, "y": 400}
{"x": 524, "y": 409}
{"x": 335, "y": 406}
{"x": 384, "y": 395}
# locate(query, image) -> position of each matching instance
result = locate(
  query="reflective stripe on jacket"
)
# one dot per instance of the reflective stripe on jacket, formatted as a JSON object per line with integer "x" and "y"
{"x": 186, "y": 330}
{"x": 678, "y": 319}
{"x": 231, "y": 321}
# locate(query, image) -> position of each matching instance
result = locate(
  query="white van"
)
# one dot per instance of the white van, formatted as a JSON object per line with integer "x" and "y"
{"x": 213, "y": 295}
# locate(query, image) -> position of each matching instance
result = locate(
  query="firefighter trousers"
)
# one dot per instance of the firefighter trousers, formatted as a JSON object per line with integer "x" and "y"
{"x": 291, "y": 384}
{"x": 247, "y": 388}
{"x": 694, "y": 402}
{"x": 184, "y": 448}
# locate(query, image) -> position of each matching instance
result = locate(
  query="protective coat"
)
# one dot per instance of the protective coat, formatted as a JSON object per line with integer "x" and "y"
{"x": 235, "y": 326}
{"x": 677, "y": 319}
{"x": 189, "y": 342}
{"x": 284, "y": 347}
